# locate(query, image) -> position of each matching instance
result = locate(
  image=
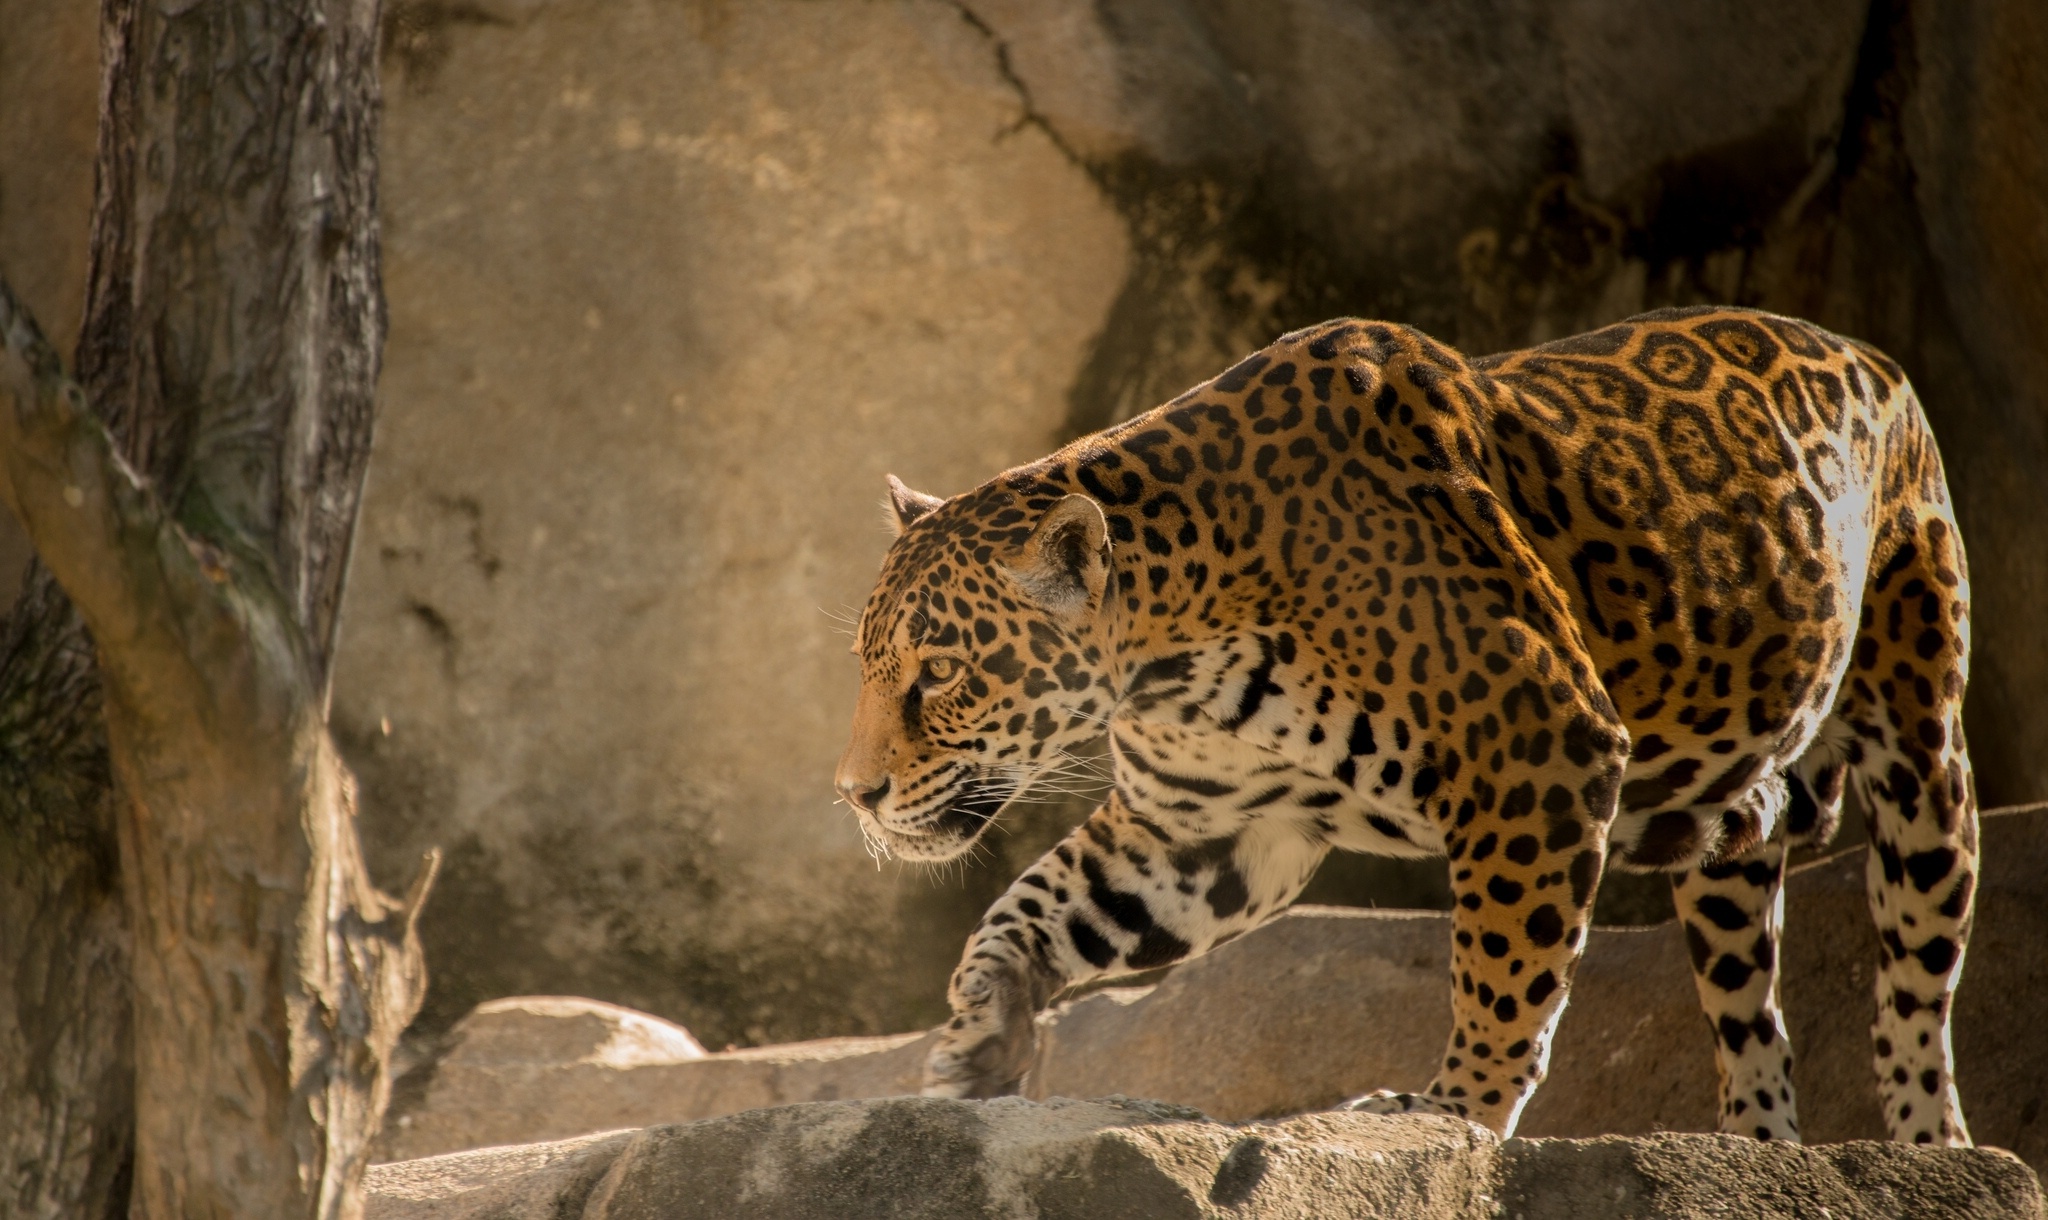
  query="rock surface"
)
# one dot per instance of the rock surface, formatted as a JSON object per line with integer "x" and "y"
{"x": 671, "y": 289}
{"x": 1324, "y": 1004}
{"x": 510, "y": 1078}
{"x": 912, "y": 1159}
{"x": 570, "y": 1029}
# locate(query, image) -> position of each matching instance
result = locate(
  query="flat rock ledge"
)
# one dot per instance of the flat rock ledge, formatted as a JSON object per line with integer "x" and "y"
{"x": 1320, "y": 1005}
{"x": 911, "y": 1158}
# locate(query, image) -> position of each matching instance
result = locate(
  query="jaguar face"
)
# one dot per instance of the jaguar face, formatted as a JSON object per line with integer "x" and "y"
{"x": 979, "y": 666}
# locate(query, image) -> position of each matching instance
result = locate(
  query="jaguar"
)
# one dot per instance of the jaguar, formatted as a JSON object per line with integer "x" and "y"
{"x": 1652, "y": 598}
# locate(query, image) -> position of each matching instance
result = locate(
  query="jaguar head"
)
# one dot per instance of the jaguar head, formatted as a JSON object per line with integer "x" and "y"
{"x": 981, "y": 662}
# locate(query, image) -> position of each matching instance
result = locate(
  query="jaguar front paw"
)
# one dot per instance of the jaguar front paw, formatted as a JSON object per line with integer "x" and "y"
{"x": 979, "y": 1062}
{"x": 1386, "y": 1101}
{"x": 988, "y": 1046}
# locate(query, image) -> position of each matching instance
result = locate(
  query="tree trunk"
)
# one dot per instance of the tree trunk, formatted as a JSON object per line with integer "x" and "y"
{"x": 66, "y": 1074}
{"x": 199, "y": 988}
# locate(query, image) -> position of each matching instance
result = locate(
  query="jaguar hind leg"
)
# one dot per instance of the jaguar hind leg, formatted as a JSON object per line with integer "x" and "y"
{"x": 1904, "y": 700}
{"x": 1733, "y": 911}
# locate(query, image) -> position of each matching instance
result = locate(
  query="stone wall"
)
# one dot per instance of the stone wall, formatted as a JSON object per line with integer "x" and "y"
{"x": 672, "y": 288}
{"x": 672, "y": 285}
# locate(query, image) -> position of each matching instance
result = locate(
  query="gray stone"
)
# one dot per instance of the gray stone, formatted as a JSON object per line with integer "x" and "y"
{"x": 911, "y": 1159}
{"x": 539, "y": 1181}
{"x": 1320, "y": 1005}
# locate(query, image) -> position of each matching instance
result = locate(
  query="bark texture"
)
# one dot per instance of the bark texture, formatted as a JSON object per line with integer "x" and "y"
{"x": 198, "y": 1014}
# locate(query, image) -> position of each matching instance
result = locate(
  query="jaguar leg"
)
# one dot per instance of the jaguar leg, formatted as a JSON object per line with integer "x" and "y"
{"x": 1814, "y": 786}
{"x": 1526, "y": 833}
{"x": 1904, "y": 702}
{"x": 1119, "y": 895}
{"x": 1734, "y": 916}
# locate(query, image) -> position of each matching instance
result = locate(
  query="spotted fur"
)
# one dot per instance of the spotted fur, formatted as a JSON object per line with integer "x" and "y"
{"x": 1651, "y": 596}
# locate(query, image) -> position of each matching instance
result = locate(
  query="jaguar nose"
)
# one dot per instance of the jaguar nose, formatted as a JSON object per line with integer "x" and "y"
{"x": 862, "y": 797}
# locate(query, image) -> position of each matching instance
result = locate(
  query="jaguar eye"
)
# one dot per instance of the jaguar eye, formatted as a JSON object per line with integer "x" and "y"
{"x": 938, "y": 671}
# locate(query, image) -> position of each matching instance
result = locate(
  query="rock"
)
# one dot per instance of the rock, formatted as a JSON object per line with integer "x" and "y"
{"x": 569, "y": 1051}
{"x": 546, "y": 1029}
{"x": 540, "y": 1181}
{"x": 1694, "y": 1177}
{"x": 671, "y": 290}
{"x": 1320, "y": 1005}
{"x": 1325, "y": 1003}
{"x": 538, "y": 1068}
{"x": 1972, "y": 135}
{"x": 911, "y": 1159}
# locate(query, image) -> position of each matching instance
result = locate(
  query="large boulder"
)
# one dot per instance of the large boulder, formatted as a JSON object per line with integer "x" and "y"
{"x": 913, "y": 1159}
{"x": 531, "y": 1069}
{"x": 1326, "y": 1003}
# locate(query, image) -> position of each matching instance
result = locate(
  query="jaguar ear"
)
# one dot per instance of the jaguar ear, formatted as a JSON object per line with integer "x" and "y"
{"x": 906, "y": 506}
{"x": 1064, "y": 565}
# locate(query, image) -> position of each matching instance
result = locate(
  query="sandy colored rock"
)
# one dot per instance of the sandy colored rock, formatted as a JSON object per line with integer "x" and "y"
{"x": 1717, "y": 1177}
{"x": 912, "y": 1159}
{"x": 568, "y": 1029}
{"x": 1324, "y": 1004}
{"x": 536, "y": 1068}
{"x": 1318, "y": 1006}
{"x": 672, "y": 288}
